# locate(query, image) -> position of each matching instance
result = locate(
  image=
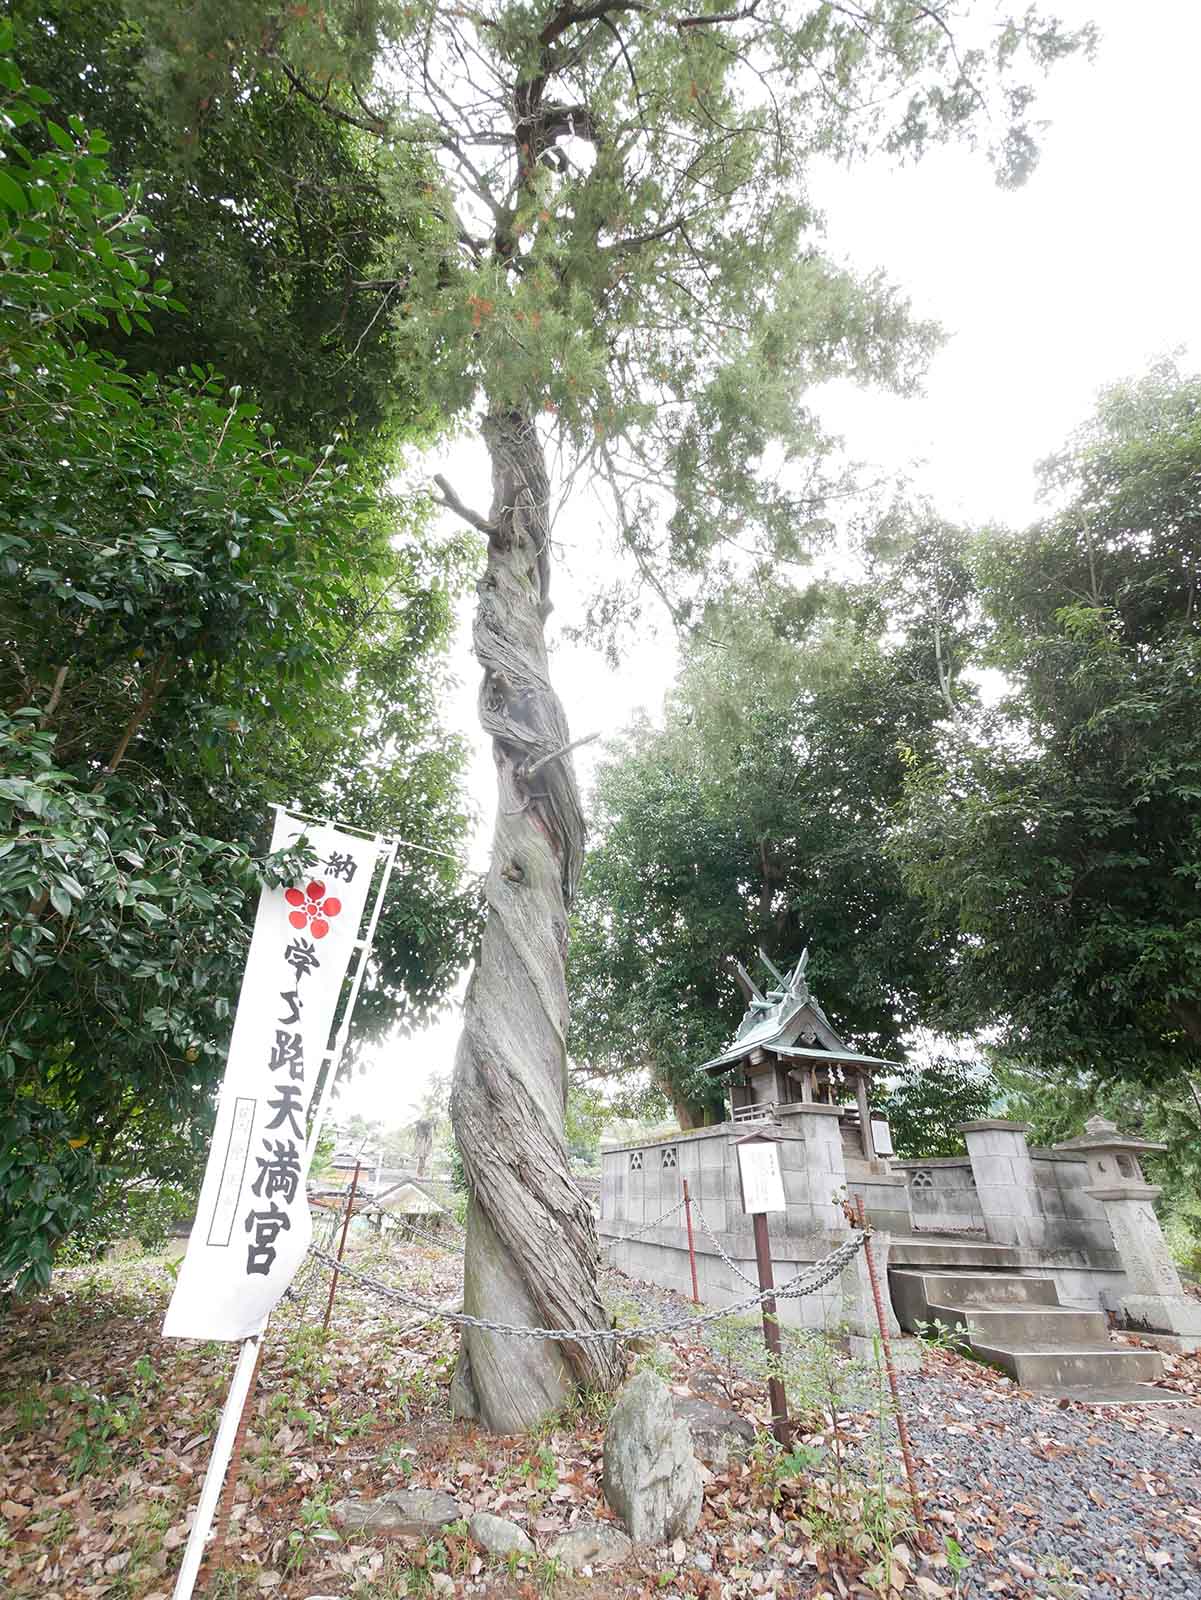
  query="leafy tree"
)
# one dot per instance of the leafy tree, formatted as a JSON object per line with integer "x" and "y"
{"x": 281, "y": 229}
{"x": 584, "y": 1121}
{"x": 758, "y": 816}
{"x": 629, "y": 264}
{"x": 1060, "y": 845}
{"x": 926, "y": 1104}
{"x": 193, "y": 622}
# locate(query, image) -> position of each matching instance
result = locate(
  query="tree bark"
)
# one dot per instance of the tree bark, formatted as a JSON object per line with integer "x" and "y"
{"x": 532, "y": 1256}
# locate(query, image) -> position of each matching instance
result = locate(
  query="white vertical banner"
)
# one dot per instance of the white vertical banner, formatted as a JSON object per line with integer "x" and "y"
{"x": 253, "y": 1227}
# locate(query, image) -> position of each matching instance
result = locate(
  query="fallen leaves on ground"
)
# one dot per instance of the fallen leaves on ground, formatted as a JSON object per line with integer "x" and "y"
{"x": 105, "y": 1431}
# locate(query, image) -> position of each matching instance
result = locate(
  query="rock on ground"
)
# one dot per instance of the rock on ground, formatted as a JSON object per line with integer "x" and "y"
{"x": 651, "y": 1476}
{"x": 590, "y": 1544}
{"x": 418, "y": 1512}
{"x": 718, "y": 1434}
{"x": 498, "y": 1536}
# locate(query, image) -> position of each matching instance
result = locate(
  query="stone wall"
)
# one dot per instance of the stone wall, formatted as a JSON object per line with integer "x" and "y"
{"x": 942, "y": 1195}
{"x": 1034, "y": 1204}
{"x": 1075, "y": 1220}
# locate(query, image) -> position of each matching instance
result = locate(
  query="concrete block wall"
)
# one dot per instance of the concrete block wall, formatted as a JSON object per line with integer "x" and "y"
{"x": 666, "y": 1263}
{"x": 1075, "y": 1220}
{"x": 885, "y": 1197}
{"x": 639, "y": 1183}
{"x": 942, "y": 1194}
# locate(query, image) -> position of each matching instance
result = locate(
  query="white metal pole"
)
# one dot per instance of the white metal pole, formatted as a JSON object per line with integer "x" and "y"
{"x": 215, "y": 1476}
{"x": 336, "y": 1054}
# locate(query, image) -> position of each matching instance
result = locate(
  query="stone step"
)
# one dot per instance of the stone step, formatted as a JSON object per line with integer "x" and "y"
{"x": 1031, "y": 1327}
{"x": 1016, "y": 1323}
{"x": 916, "y": 1289}
{"x": 952, "y": 1253}
{"x": 1080, "y": 1369}
{"x": 978, "y": 1288}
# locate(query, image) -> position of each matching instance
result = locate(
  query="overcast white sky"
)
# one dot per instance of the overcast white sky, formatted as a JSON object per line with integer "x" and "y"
{"x": 1081, "y": 278}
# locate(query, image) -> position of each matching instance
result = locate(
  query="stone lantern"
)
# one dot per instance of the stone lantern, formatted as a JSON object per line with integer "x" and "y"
{"x": 1156, "y": 1304}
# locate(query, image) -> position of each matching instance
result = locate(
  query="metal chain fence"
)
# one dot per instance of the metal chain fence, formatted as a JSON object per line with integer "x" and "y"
{"x": 325, "y": 1231}
{"x": 407, "y": 1229}
{"x": 808, "y": 1281}
{"x": 716, "y": 1242}
{"x": 646, "y": 1227}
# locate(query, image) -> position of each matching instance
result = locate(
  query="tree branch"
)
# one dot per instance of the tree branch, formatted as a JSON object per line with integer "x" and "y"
{"x": 452, "y": 503}
{"x": 527, "y": 772}
{"x": 322, "y": 101}
{"x": 56, "y": 694}
{"x": 720, "y": 16}
{"x": 143, "y": 709}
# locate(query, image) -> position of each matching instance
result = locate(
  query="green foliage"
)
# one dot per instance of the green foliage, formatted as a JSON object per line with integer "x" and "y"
{"x": 758, "y": 815}
{"x": 927, "y": 1102}
{"x": 276, "y": 223}
{"x": 1059, "y": 842}
{"x": 1057, "y": 1103}
{"x": 195, "y": 622}
{"x": 623, "y": 241}
{"x": 585, "y": 1118}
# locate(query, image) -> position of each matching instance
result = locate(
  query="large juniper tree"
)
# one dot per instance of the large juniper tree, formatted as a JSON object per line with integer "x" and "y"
{"x": 629, "y": 264}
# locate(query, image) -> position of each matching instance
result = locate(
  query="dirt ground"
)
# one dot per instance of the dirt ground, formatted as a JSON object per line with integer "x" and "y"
{"x": 105, "y": 1430}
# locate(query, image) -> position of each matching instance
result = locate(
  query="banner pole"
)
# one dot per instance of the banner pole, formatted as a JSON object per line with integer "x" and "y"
{"x": 339, "y": 1049}
{"x": 225, "y": 1506}
{"x": 223, "y": 1445}
{"x": 246, "y": 1367}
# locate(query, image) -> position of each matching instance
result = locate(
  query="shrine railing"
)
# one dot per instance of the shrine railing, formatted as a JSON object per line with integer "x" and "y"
{"x": 757, "y": 1113}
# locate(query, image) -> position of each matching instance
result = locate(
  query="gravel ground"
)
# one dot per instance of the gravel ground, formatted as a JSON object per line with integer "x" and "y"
{"x": 1079, "y": 1501}
{"x": 1048, "y": 1500}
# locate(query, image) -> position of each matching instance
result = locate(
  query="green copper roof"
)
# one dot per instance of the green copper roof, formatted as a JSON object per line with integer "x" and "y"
{"x": 744, "y": 1047}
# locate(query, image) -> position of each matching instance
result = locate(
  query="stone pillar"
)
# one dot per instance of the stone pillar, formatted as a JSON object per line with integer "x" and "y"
{"x": 812, "y": 1181}
{"x": 1156, "y": 1302}
{"x": 858, "y": 1301}
{"x": 1005, "y": 1182}
{"x": 865, "y": 1117}
{"x": 611, "y": 1187}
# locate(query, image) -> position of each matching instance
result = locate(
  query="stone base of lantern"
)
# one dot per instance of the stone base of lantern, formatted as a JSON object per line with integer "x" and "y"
{"x": 1160, "y": 1316}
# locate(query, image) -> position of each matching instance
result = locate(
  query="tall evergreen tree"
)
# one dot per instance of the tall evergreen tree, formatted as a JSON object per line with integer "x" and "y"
{"x": 629, "y": 262}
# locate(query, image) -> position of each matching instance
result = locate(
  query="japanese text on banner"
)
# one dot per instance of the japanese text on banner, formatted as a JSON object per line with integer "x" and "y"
{"x": 253, "y": 1226}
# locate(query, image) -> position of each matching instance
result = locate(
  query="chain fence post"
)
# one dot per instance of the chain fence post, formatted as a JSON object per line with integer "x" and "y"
{"x": 890, "y": 1369}
{"x": 696, "y": 1297}
{"x": 780, "y": 1425}
{"x": 333, "y": 1282}
{"x": 816, "y": 1277}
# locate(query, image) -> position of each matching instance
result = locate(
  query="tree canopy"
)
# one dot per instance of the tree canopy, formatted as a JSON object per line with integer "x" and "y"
{"x": 1059, "y": 845}
{"x": 626, "y": 246}
{"x": 281, "y": 229}
{"x": 1021, "y": 867}
{"x": 759, "y": 815}
{"x": 195, "y": 621}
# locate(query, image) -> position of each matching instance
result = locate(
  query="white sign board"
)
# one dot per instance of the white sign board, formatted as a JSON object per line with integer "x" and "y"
{"x": 252, "y": 1227}
{"x": 882, "y": 1138}
{"x": 762, "y": 1180}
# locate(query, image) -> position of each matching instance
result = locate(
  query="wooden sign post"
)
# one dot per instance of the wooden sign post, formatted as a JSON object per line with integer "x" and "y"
{"x": 763, "y": 1191}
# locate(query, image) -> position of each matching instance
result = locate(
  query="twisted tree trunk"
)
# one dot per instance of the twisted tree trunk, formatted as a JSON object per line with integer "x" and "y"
{"x": 532, "y": 1255}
